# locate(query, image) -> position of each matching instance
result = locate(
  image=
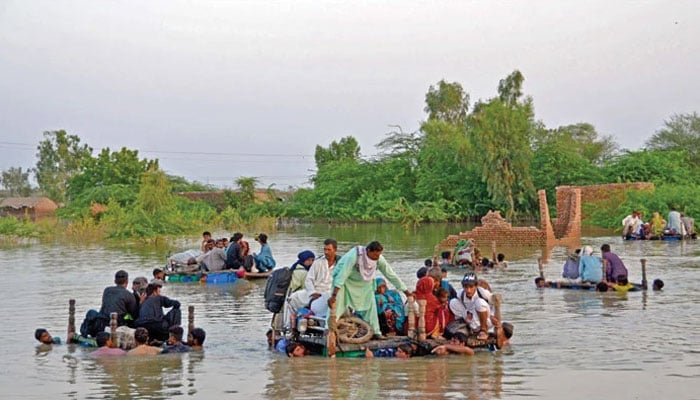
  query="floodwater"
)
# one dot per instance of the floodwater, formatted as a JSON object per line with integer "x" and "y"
{"x": 567, "y": 344}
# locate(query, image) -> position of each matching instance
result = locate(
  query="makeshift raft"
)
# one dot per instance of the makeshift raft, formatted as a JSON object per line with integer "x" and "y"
{"x": 336, "y": 341}
{"x": 121, "y": 337}
{"x": 587, "y": 285}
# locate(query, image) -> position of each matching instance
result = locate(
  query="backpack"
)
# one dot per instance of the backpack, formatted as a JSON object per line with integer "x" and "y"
{"x": 276, "y": 289}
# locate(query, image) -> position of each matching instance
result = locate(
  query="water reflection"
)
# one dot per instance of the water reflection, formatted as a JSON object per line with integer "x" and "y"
{"x": 478, "y": 377}
{"x": 157, "y": 377}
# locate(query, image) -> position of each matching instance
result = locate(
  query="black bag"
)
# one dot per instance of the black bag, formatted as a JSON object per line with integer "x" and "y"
{"x": 458, "y": 325}
{"x": 93, "y": 324}
{"x": 276, "y": 289}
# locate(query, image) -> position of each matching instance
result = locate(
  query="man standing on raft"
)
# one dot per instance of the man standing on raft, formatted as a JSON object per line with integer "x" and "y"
{"x": 354, "y": 285}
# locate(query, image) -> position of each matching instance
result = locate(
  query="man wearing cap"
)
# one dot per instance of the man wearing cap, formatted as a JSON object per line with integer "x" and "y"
{"x": 151, "y": 312}
{"x": 354, "y": 284}
{"x": 472, "y": 304}
{"x": 118, "y": 299}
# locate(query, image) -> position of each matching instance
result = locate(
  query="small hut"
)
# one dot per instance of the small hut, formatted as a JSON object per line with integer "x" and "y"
{"x": 27, "y": 207}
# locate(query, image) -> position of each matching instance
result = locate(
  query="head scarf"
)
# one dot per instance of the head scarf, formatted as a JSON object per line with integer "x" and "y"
{"x": 587, "y": 250}
{"x": 380, "y": 281}
{"x": 301, "y": 258}
{"x": 365, "y": 265}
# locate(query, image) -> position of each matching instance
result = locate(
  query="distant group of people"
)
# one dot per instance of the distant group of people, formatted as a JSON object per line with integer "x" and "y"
{"x": 351, "y": 282}
{"x": 676, "y": 224}
{"x": 583, "y": 266}
{"x": 140, "y": 309}
{"x": 467, "y": 255}
{"x": 235, "y": 254}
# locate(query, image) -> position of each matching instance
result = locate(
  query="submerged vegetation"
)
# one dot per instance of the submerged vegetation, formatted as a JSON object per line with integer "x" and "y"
{"x": 462, "y": 161}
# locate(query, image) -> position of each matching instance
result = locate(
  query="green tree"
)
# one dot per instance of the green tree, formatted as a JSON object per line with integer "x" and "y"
{"x": 246, "y": 186}
{"x": 60, "y": 157}
{"x": 155, "y": 194}
{"x": 657, "y": 166}
{"x": 121, "y": 167}
{"x": 447, "y": 102}
{"x": 681, "y": 131}
{"x": 16, "y": 182}
{"x": 345, "y": 149}
{"x": 500, "y": 131}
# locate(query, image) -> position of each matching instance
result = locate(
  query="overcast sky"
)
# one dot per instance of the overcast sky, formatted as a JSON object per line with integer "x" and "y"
{"x": 219, "y": 90}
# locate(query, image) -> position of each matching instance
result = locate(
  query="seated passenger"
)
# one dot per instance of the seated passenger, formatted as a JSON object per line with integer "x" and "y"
{"x": 590, "y": 268}
{"x": 615, "y": 267}
{"x": 675, "y": 225}
{"x": 390, "y": 310}
{"x": 657, "y": 225}
{"x": 462, "y": 254}
{"x": 445, "y": 260}
{"x": 174, "y": 344}
{"x": 631, "y": 224}
{"x": 142, "y": 347}
{"x": 215, "y": 258}
{"x": 446, "y": 284}
{"x": 151, "y": 313}
{"x": 472, "y": 305}
{"x": 570, "y": 270}
{"x": 445, "y": 316}
{"x": 263, "y": 260}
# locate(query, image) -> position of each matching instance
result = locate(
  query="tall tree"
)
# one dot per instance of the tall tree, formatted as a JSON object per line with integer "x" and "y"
{"x": 500, "y": 131}
{"x": 121, "y": 167}
{"x": 16, "y": 182}
{"x": 447, "y": 102}
{"x": 155, "y": 194}
{"x": 246, "y": 186}
{"x": 345, "y": 149}
{"x": 60, "y": 157}
{"x": 681, "y": 131}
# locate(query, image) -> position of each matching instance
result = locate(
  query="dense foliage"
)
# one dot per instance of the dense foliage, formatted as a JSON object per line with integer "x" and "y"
{"x": 462, "y": 161}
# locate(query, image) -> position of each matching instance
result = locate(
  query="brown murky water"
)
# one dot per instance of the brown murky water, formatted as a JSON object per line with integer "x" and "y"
{"x": 567, "y": 344}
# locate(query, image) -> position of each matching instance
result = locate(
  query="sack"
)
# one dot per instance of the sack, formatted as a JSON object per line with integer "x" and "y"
{"x": 276, "y": 289}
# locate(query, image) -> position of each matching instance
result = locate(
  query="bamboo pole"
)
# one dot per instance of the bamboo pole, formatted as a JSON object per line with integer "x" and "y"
{"x": 644, "y": 273}
{"x": 497, "y": 299}
{"x": 540, "y": 266}
{"x": 421, "y": 320}
{"x": 71, "y": 320}
{"x": 113, "y": 329}
{"x": 190, "y": 319}
{"x": 332, "y": 332}
{"x": 411, "y": 317}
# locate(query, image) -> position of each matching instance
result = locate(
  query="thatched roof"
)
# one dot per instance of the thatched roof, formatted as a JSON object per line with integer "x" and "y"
{"x": 24, "y": 202}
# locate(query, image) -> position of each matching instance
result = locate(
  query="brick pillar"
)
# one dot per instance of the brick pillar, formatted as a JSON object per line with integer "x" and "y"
{"x": 545, "y": 222}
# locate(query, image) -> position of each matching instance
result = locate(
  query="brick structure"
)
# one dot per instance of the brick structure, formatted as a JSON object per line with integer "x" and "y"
{"x": 564, "y": 230}
{"x": 27, "y": 207}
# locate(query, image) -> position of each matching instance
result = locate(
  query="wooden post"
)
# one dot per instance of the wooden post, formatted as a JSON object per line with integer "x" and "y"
{"x": 113, "y": 329}
{"x": 644, "y": 273}
{"x": 540, "y": 266}
{"x": 497, "y": 299}
{"x": 332, "y": 331}
{"x": 411, "y": 315}
{"x": 421, "y": 320}
{"x": 71, "y": 320}
{"x": 605, "y": 268}
{"x": 190, "y": 319}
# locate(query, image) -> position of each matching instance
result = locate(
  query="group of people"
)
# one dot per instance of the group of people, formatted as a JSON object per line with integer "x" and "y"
{"x": 351, "y": 282}
{"x": 583, "y": 266}
{"x": 141, "y": 309}
{"x": 467, "y": 255}
{"x": 235, "y": 254}
{"x": 676, "y": 224}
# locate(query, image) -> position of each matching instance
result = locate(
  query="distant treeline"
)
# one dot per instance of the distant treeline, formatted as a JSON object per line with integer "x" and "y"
{"x": 463, "y": 160}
